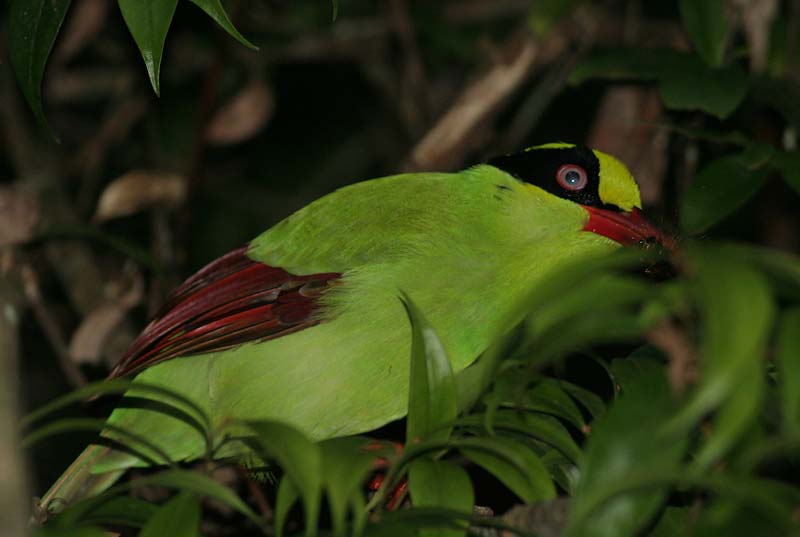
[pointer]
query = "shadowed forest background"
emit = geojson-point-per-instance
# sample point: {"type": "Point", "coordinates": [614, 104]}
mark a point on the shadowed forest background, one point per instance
{"type": "Point", "coordinates": [140, 190]}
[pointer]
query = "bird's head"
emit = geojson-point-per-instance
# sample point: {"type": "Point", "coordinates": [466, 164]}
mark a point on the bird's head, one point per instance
{"type": "Point", "coordinates": [598, 182]}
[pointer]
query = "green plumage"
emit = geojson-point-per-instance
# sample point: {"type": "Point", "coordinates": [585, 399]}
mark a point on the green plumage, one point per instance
{"type": "Point", "coordinates": [464, 246]}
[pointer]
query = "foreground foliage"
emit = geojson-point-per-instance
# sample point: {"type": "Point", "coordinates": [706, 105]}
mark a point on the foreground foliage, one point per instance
{"type": "Point", "coordinates": [677, 448]}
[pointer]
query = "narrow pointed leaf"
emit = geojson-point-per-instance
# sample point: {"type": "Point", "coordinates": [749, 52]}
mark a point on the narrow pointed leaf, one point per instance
{"type": "Point", "coordinates": [148, 22]}
{"type": "Point", "coordinates": [179, 517]}
{"type": "Point", "coordinates": [544, 429]}
{"type": "Point", "coordinates": [32, 29]}
{"type": "Point", "coordinates": [186, 480]}
{"type": "Point", "coordinates": [287, 495]}
{"type": "Point", "coordinates": [300, 459]}
{"type": "Point", "coordinates": [737, 309]}
{"type": "Point", "coordinates": [514, 464]}
{"type": "Point", "coordinates": [345, 466]}
{"type": "Point", "coordinates": [432, 400]}
{"type": "Point", "coordinates": [440, 484]}
{"type": "Point", "coordinates": [121, 511]}
{"type": "Point", "coordinates": [215, 10]}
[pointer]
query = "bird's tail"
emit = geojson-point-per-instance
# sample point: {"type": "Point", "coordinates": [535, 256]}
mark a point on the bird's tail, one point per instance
{"type": "Point", "coordinates": [78, 481]}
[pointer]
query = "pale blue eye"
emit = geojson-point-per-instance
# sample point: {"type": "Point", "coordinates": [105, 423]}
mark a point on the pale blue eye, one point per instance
{"type": "Point", "coordinates": [572, 177]}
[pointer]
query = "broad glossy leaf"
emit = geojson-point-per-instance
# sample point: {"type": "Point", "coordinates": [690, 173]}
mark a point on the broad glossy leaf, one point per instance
{"type": "Point", "coordinates": [345, 464]}
{"type": "Point", "coordinates": [32, 29]}
{"type": "Point", "coordinates": [718, 190]}
{"type": "Point", "coordinates": [300, 459]}
{"type": "Point", "coordinates": [685, 82]}
{"type": "Point", "coordinates": [780, 94]}
{"type": "Point", "coordinates": [623, 63]}
{"type": "Point", "coordinates": [788, 358]}
{"type": "Point", "coordinates": [788, 162]}
{"type": "Point", "coordinates": [179, 517]}
{"type": "Point", "coordinates": [215, 10]}
{"type": "Point", "coordinates": [707, 26]}
{"type": "Point", "coordinates": [692, 85]}
{"type": "Point", "coordinates": [514, 463]}
{"type": "Point", "coordinates": [440, 484]}
{"type": "Point", "coordinates": [432, 399]}
{"type": "Point", "coordinates": [148, 22]}
{"type": "Point", "coordinates": [626, 444]}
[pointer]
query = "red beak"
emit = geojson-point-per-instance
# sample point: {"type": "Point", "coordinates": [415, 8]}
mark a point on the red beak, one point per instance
{"type": "Point", "coordinates": [626, 228]}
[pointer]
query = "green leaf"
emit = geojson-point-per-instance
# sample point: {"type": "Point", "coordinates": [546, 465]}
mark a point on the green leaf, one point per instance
{"type": "Point", "coordinates": [136, 442]}
{"type": "Point", "coordinates": [440, 484]}
{"type": "Point", "coordinates": [513, 463]}
{"type": "Point", "coordinates": [685, 82]}
{"type": "Point", "coordinates": [691, 85]}
{"type": "Point", "coordinates": [82, 531]}
{"type": "Point", "coordinates": [590, 400]}
{"type": "Point", "coordinates": [408, 522]}
{"type": "Point", "coordinates": [530, 426]}
{"type": "Point", "coordinates": [788, 163]}
{"type": "Point", "coordinates": [549, 397]}
{"type": "Point", "coordinates": [287, 495]}
{"type": "Point", "coordinates": [626, 371]}
{"type": "Point", "coordinates": [119, 386]}
{"type": "Point", "coordinates": [215, 10]}
{"type": "Point", "coordinates": [707, 26]}
{"type": "Point", "coordinates": [674, 522]}
{"type": "Point", "coordinates": [736, 307]}
{"type": "Point", "coordinates": [188, 481]}
{"type": "Point", "coordinates": [624, 63]}
{"type": "Point", "coordinates": [780, 94]}
{"type": "Point", "coordinates": [432, 399]}
{"type": "Point", "coordinates": [120, 511]}
{"type": "Point", "coordinates": [334, 10]}
{"type": "Point", "coordinates": [300, 459]}
{"type": "Point", "coordinates": [345, 465]}
{"type": "Point", "coordinates": [718, 190]}
{"type": "Point", "coordinates": [561, 469]}
{"type": "Point", "coordinates": [32, 29]}
{"type": "Point", "coordinates": [626, 443]}
{"type": "Point", "coordinates": [788, 358]}
{"type": "Point", "coordinates": [179, 517]}
{"type": "Point", "coordinates": [148, 22]}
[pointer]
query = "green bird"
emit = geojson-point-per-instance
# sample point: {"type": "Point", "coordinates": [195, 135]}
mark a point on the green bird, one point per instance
{"type": "Point", "coordinates": [304, 324]}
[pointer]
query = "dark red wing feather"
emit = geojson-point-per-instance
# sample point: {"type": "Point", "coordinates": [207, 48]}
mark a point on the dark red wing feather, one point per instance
{"type": "Point", "coordinates": [230, 301]}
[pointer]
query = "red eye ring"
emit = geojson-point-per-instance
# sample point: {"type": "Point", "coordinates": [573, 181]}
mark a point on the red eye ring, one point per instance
{"type": "Point", "coordinates": [572, 177]}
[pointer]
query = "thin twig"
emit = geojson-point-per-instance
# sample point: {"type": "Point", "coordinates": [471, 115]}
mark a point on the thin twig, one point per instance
{"type": "Point", "coordinates": [672, 340]}
{"type": "Point", "coordinates": [50, 326]}
{"type": "Point", "coordinates": [447, 143]}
